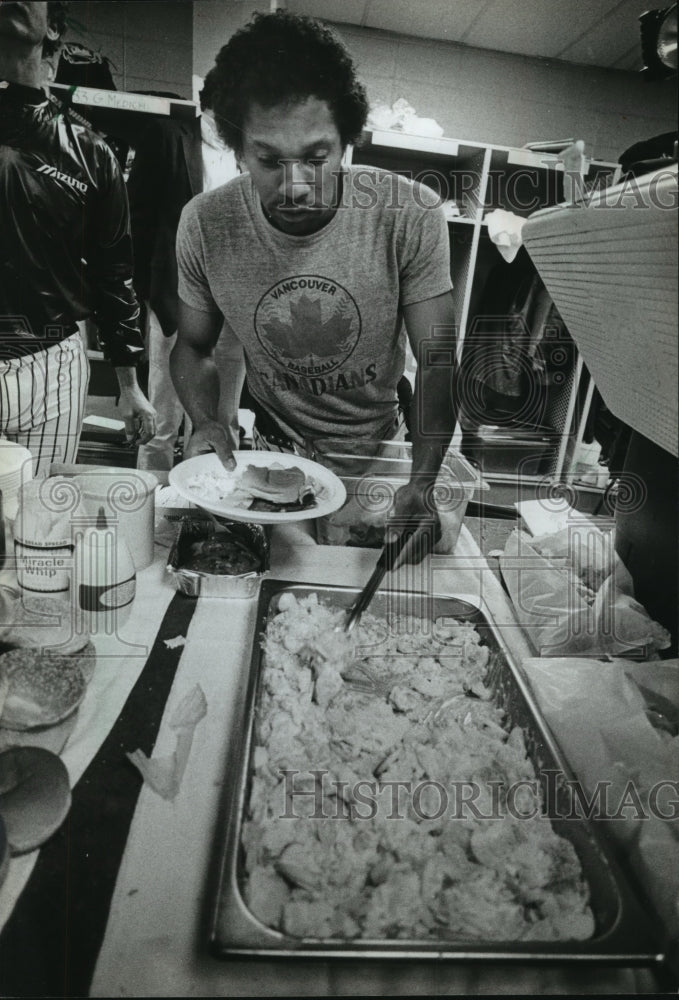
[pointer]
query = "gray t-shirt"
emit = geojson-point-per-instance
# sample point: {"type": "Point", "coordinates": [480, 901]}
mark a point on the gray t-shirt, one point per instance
{"type": "Point", "coordinates": [319, 316]}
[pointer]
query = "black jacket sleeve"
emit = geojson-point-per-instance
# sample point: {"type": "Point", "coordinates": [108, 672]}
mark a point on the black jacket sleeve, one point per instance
{"type": "Point", "coordinates": [109, 260]}
{"type": "Point", "coordinates": [158, 187]}
{"type": "Point", "coordinates": [144, 193]}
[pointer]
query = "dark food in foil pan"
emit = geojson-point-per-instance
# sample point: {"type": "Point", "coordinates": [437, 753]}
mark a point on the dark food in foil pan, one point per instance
{"type": "Point", "coordinates": [222, 554]}
{"type": "Point", "coordinates": [219, 561]}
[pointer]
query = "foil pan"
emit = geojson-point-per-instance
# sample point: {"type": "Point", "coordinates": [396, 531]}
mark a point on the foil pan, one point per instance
{"type": "Point", "coordinates": [195, 527]}
{"type": "Point", "coordinates": [627, 932]}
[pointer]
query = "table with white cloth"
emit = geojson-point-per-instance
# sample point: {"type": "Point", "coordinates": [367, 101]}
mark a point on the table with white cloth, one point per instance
{"type": "Point", "coordinates": [152, 908]}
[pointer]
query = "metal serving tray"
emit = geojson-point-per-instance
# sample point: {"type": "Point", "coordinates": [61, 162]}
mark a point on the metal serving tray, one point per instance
{"type": "Point", "coordinates": [626, 932]}
{"type": "Point", "coordinates": [196, 526]}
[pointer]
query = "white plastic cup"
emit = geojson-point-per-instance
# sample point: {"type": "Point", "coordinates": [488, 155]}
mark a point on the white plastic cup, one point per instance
{"type": "Point", "coordinates": [128, 499]}
{"type": "Point", "coordinates": [16, 468]}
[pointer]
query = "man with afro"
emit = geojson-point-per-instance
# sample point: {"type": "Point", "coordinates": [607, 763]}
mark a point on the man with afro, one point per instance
{"type": "Point", "coordinates": [318, 268]}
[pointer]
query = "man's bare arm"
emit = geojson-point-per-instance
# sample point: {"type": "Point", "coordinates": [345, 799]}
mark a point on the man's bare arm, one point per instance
{"type": "Point", "coordinates": [431, 331]}
{"type": "Point", "coordinates": [196, 380]}
{"type": "Point", "coordinates": [430, 325]}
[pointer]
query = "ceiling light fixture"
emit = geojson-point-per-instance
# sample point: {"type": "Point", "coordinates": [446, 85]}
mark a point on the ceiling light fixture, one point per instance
{"type": "Point", "coordinates": [659, 43]}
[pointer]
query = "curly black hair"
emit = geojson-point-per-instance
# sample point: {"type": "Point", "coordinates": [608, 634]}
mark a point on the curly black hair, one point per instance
{"type": "Point", "coordinates": [283, 57]}
{"type": "Point", "coordinates": [56, 18]}
{"type": "Point", "coordinates": [206, 95]}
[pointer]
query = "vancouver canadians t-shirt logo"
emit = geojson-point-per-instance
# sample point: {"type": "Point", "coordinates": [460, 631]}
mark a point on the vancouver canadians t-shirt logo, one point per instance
{"type": "Point", "coordinates": [308, 324]}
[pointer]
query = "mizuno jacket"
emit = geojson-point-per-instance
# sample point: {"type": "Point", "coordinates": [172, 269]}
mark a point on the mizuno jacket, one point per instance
{"type": "Point", "coordinates": [65, 247]}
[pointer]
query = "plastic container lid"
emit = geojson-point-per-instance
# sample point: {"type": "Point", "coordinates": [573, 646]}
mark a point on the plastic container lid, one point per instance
{"type": "Point", "coordinates": [46, 508]}
{"type": "Point", "coordinates": [128, 499]}
{"type": "Point", "coordinates": [98, 483]}
{"type": "Point", "coordinates": [13, 458]}
{"type": "Point", "coordinates": [16, 468]}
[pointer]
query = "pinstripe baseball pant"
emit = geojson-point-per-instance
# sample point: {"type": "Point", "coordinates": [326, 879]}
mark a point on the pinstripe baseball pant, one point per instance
{"type": "Point", "coordinates": [42, 401]}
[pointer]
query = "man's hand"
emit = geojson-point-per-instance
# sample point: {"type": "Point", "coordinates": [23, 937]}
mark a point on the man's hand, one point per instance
{"type": "Point", "coordinates": [433, 413]}
{"type": "Point", "coordinates": [413, 512]}
{"type": "Point", "coordinates": [211, 436]}
{"type": "Point", "coordinates": [135, 409]}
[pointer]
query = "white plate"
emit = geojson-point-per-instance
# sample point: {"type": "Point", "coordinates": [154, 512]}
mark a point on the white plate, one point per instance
{"type": "Point", "coordinates": [330, 491]}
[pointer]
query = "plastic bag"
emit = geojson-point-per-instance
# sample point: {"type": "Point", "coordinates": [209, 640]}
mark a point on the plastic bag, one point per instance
{"type": "Point", "coordinates": [625, 760]}
{"type": "Point", "coordinates": [552, 581]}
{"type": "Point", "coordinates": [602, 722]}
{"type": "Point", "coordinates": [504, 230]}
{"type": "Point", "coordinates": [402, 117]}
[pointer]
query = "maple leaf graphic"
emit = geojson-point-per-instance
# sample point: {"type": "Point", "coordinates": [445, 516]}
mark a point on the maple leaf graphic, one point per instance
{"type": "Point", "coordinates": [307, 335]}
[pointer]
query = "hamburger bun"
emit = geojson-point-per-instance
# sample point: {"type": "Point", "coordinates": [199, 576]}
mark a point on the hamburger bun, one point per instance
{"type": "Point", "coordinates": [43, 688]}
{"type": "Point", "coordinates": [52, 738]}
{"type": "Point", "coordinates": [35, 796]}
{"type": "Point", "coordinates": [277, 484]}
{"type": "Point", "coordinates": [41, 622]}
{"type": "Point", "coordinates": [86, 658]}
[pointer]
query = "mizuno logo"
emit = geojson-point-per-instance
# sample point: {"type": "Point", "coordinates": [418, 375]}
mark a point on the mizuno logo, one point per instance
{"type": "Point", "coordinates": [49, 171]}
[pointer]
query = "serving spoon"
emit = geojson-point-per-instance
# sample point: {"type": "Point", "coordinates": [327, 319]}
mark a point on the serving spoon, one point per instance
{"type": "Point", "coordinates": [385, 562]}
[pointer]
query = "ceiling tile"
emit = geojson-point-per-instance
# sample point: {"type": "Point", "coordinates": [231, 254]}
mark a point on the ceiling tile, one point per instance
{"type": "Point", "coordinates": [535, 27]}
{"type": "Point", "coordinates": [444, 19]}
{"type": "Point", "coordinates": [348, 11]}
{"type": "Point", "coordinates": [613, 37]}
{"type": "Point", "coordinates": [597, 32]}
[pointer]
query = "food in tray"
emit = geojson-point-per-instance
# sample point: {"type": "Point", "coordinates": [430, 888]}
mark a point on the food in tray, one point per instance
{"type": "Point", "coordinates": [256, 487]}
{"type": "Point", "coordinates": [222, 555]}
{"type": "Point", "coordinates": [326, 864]}
{"type": "Point", "coordinates": [212, 558]}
